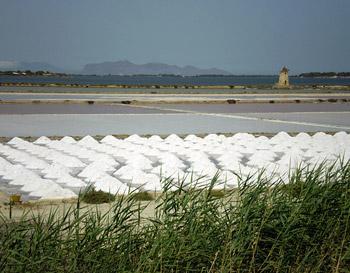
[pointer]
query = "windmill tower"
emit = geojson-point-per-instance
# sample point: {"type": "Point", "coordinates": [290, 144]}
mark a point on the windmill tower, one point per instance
{"type": "Point", "coordinates": [283, 81]}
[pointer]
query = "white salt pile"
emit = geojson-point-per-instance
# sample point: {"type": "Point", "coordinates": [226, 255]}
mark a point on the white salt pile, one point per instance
{"type": "Point", "coordinates": [42, 140]}
{"type": "Point", "coordinates": [51, 169]}
{"type": "Point", "coordinates": [88, 141]}
{"type": "Point", "coordinates": [68, 139]}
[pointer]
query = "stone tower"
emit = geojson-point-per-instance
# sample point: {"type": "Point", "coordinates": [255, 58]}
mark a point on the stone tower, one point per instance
{"type": "Point", "coordinates": [283, 81]}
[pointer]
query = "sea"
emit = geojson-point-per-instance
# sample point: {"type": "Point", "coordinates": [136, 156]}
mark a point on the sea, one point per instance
{"type": "Point", "coordinates": [169, 80]}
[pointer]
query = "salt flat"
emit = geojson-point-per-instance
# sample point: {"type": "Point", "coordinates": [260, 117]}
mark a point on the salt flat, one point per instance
{"type": "Point", "coordinates": [104, 119]}
{"type": "Point", "coordinates": [49, 169]}
{"type": "Point", "coordinates": [196, 95]}
{"type": "Point", "coordinates": [341, 119]}
{"type": "Point", "coordinates": [188, 123]}
{"type": "Point", "coordinates": [119, 108]}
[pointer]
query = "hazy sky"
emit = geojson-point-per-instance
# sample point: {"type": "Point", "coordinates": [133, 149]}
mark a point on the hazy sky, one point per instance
{"type": "Point", "coordinates": [241, 36]}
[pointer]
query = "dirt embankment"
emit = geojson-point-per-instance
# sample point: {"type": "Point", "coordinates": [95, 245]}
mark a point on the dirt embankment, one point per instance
{"type": "Point", "coordinates": [183, 87]}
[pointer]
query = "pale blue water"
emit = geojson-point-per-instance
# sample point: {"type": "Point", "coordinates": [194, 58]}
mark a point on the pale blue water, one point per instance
{"type": "Point", "coordinates": [170, 80]}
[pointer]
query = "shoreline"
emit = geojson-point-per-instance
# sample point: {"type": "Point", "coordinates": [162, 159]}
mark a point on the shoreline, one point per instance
{"type": "Point", "coordinates": [4, 139]}
{"type": "Point", "coordinates": [137, 99]}
{"type": "Point", "coordinates": [248, 87]}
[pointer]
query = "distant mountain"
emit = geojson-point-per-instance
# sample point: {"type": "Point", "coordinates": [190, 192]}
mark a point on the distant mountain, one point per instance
{"type": "Point", "coordinates": [129, 68]}
{"type": "Point", "coordinates": [33, 66]}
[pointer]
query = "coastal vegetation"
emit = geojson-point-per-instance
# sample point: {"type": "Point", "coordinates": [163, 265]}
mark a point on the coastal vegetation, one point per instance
{"type": "Point", "coordinates": [91, 196]}
{"type": "Point", "coordinates": [263, 225]}
{"type": "Point", "coordinates": [325, 74]}
{"type": "Point", "coordinates": [30, 73]}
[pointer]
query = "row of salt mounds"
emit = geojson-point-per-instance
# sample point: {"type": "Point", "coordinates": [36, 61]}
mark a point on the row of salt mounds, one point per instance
{"type": "Point", "coordinates": [32, 183]}
{"type": "Point", "coordinates": [117, 165]}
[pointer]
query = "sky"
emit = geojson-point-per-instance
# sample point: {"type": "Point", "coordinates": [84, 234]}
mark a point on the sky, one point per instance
{"type": "Point", "coordinates": [240, 36]}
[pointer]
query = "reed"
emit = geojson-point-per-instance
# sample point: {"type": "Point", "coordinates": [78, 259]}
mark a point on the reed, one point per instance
{"type": "Point", "coordinates": [265, 225]}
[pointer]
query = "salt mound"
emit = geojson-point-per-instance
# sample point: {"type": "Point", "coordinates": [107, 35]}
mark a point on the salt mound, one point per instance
{"type": "Point", "coordinates": [124, 170]}
{"type": "Point", "coordinates": [198, 157]}
{"type": "Point", "coordinates": [173, 139]}
{"type": "Point", "coordinates": [230, 156]}
{"type": "Point", "coordinates": [71, 181]}
{"type": "Point", "coordinates": [280, 148]}
{"type": "Point", "coordinates": [181, 153]}
{"type": "Point", "coordinates": [37, 164]}
{"type": "Point", "coordinates": [290, 161]}
{"type": "Point", "coordinates": [112, 185]}
{"type": "Point", "coordinates": [319, 136]}
{"type": "Point", "coordinates": [155, 138]}
{"type": "Point", "coordinates": [105, 148]}
{"type": "Point", "coordinates": [105, 159]}
{"type": "Point", "coordinates": [262, 139]}
{"type": "Point", "coordinates": [84, 154]}
{"type": "Point", "coordinates": [204, 168]}
{"type": "Point", "coordinates": [4, 164]}
{"type": "Point", "coordinates": [69, 161]}
{"type": "Point", "coordinates": [15, 141]}
{"type": "Point", "coordinates": [13, 172]}
{"type": "Point", "coordinates": [168, 171]}
{"type": "Point", "coordinates": [19, 156]}
{"type": "Point", "coordinates": [340, 134]}
{"type": "Point", "coordinates": [135, 139]}
{"type": "Point", "coordinates": [140, 162]}
{"type": "Point", "coordinates": [303, 136]}
{"type": "Point", "coordinates": [43, 140]}
{"type": "Point", "coordinates": [55, 170]}
{"type": "Point", "coordinates": [55, 194]}
{"type": "Point", "coordinates": [131, 174]}
{"type": "Point", "coordinates": [212, 137]}
{"type": "Point", "coordinates": [303, 145]}
{"type": "Point", "coordinates": [152, 154]}
{"type": "Point", "coordinates": [36, 184]}
{"type": "Point", "coordinates": [95, 176]}
{"type": "Point", "coordinates": [88, 141]}
{"type": "Point", "coordinates": [232, 165]}
{"type": "Point", "coordinates": [258, 162]}
{"type": "Point", "coordinates": [95, 168]}
{"type": "Point", "coordinates": [123, 156]}
{"type": "Point", "coordinates": [68, 139]}
{"type": "Point", "coordinates": [263, 146]}
{"type": "Point", "coordinates": [149, 160]}
{"type": "Point", "coordinates": [171, 159]}
{"type": "Point", "coordinates": [216, 152]}
{"type": "Point", "coordinates": [192, 138]}
{"type": "Point", "coordinates": [109, 139]}
{"type": "Point", "coordinates": [163, 147]}
{"type": "Point", "coordinates": [263, 154]}
{"type": "Point", "coordinates": [294, 152]}
{"type": "Point", "coordinates": [47, 189]}
{"type": "Point", "coordinates": [342, 137]}
{"type": "Point", "coordinates": [148, 182]}
{"type": "Point", "coordinates": [243, 136]}
{"type": "Point", "coordinates": [280, 138]}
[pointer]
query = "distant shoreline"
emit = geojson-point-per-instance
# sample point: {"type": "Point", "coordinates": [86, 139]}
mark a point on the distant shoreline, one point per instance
{"type": "Point", "coordinates": [343, 75]}
{"type": "Point", "coordinates": [177, 86]}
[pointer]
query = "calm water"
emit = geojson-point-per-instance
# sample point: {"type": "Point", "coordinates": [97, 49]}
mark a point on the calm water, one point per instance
{"type": "Point", "coordinates": [171, 80]}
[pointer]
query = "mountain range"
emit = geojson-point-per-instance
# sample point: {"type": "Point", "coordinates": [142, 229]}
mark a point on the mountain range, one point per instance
{"type": "Point", "coordinates": [129, 68]}
{"type": "Point", "coordinates": [116, 68]}
{"type": "Point", "coordinates": [33, 66]}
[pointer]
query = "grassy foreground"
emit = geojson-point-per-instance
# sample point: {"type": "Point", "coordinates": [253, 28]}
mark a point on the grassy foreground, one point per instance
{"type": "Point", "coordinates": [262, 226]}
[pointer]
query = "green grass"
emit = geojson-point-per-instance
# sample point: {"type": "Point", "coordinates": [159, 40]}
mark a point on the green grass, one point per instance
{"type": "Point", "coordinates": [262, 226]}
